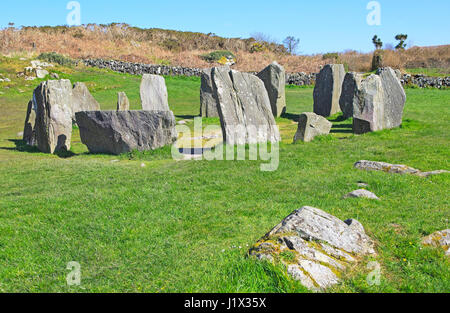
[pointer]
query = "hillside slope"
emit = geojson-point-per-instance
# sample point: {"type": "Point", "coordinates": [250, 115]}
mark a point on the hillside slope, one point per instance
{"type": "Point", "coordinates": [176, 48]}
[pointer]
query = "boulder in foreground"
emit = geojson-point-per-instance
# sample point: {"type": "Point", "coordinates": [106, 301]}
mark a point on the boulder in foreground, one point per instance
{"type": "Point", "coordinates": [439, 239]}
{"type": "Point", "coordinates": [311, 125]}
{"type": "Point", "coordinates": [315, 246]}
{"type": "Point", "coordinates": [117, 132]}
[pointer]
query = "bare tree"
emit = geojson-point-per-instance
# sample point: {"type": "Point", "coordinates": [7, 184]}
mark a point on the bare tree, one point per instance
{"type": "Point", "coordinates": [262, 38]}
{"type": "Point", "coordinates": [291, 43]}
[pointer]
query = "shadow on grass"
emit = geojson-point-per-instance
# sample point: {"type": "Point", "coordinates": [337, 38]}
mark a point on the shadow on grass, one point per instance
{"type": "Point", "coordinates": [187, 117]}
{"type": "Point", "coordinates": [21, 146]}
{"type": "Point", "coordinates": [342, 129]}
{"type": "Point", "coordinates": [292, 117]}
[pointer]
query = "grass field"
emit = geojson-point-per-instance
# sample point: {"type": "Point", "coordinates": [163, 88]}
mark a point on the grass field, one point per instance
{"type": "Point", "coordinates": [186, 226]}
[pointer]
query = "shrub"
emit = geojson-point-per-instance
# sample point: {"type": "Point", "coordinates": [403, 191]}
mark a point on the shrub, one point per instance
{"type": "Point", "coordinates": [54, 57]}
{"type": "Point", "coordinates": [257, 47]}
{"type": "Point", "coordinates": [171, 45]}
{"type": "Point", "coordinates": [217, 56]}
{"type": "Point", "coordinates": [333, 56]}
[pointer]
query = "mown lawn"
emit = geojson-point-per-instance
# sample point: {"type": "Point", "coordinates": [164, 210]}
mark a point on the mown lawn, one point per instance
{"type": "Point", "coordinates": [186, 226]}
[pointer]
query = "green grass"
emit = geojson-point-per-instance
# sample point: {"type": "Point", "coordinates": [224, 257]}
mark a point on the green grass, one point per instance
{"type": "Point", "coordinates": [433, 72]}
{"type": "Point", "coordinates": [186, 226]}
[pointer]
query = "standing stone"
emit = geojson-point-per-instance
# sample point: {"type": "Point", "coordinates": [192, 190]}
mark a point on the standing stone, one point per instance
{"type": "Point", "coordinates": [274, 78]}
{"type": "Point", "coordinates": [117, 132]}
{"type": "Point", "coordinates": [208, 103]}
{"type": "Point", "coordinates": [394, 98]}
{"type": "Point", "coordinates": [83, 100]}
{"type": "Point", "coordinates": [328, 89]}
{"type": "Point", "coordinates": [368, 107]}
{"type": "Point", "coordinates": [244, 108]}
{"type": "Point", "coordinates": [379, 103]}
{"type": "Point", "coordinates": [351, 90]}
{"type": "Point", "coordinates": [53, 100]}
{"type": "Point", "coordinates": [321, 246]}
{"type": "Point", "coordinates": [154, 95]}
{"type": "Point", "coordinates": [29, 132]}
{"type": "Point", "coordinates": [123, 104]}
{"type": "Point", "coordinates": [311, 125]}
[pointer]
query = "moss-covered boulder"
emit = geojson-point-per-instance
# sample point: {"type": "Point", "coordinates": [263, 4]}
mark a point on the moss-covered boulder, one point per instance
{"type": "Point", "coordinates": [315, 247]}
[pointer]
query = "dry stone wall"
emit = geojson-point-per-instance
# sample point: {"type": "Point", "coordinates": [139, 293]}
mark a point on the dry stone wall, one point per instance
{"type": "Point", "coordinates": [298, 79]}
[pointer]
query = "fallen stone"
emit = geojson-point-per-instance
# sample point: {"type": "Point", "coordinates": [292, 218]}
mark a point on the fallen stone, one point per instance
{"type": "Point", "coordinates": [351, 90]}
{"type": "Point", "coordinates": [394, 168]}
{"type": "Point", "coordinates": [439, 239]}
{"type": "Point", "coordinates": [83, 100]}
{"type": "Point", "coordinates": [208, 102]}
{"type": "Point", "coordinates": [54, 75]}
{"type": "Point", "coordinates": [320, 246]}
{"type": "Point", "coordinates": [154, 95]}
{"type": "Point", "coordinates": [362, 193]}
{"type": "Point", "coordinates": [274, 79]}
{"type": "Point", "coordinates": [117, 132]}
{"type": "Point", "coordinates": [29, 131]}
{"type": "Point", "coordinates": [327, 91]}
{"type": "Point", "coordinates": [53, 103]}
{"type": "Point", "coordinates": [123, 104]}
{"type": "Point", "coordinates": [311, 125]}
{"type": "Point", "coordinates": [244, 108]}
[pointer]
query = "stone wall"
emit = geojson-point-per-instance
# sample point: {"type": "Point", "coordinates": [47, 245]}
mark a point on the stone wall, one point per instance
{"type": "Point", "coordinates": [298, 79]}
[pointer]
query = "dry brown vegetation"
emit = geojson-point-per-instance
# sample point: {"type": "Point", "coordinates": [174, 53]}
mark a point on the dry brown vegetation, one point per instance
{"type": "Point", "coordinates": [157, 46]}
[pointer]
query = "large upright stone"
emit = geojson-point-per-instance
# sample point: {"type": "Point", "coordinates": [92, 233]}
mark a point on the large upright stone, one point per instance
{"type": "Point", "coordinates": [394, 98]}
{"type": "Point", "coordinates": [379, 103]}
{"type": "Point", "coordinates": [368, 107]}
{"type": "Point", "coordinates": [53, 100]}
{"type": "Point", "coordinates": [351, 90]}
{"type": "Point", "coordinates": [154, 95]}
{"type": "Point", "coordinates": [208, 102]}
{"type": "Point", "coordinates": [315, 246]}
{"type": "Point", "coordinates": [117, 132]}
{"type": "Point", "coordinates": [311, 125]}
{"type": "Point", "coordinates": [244, 108]}
{"type": "Point", "coordinates": [29, 132]}
{"type": "Point", "coordinates": [328, 89]}
{"type": "Point", "coordinates": [83, 100]}
{"type": "Point", "coordinates": [274, 78]}
{"type": "Point", "coordinates": [123, 104]}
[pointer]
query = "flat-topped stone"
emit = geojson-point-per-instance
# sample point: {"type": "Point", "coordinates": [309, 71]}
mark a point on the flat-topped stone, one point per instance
{"type": "Point", "coordinates": [117, 132]}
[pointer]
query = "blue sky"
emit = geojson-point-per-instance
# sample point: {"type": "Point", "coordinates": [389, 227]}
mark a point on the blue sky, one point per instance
{"type": "Point", "coordinates": [322, 26]}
